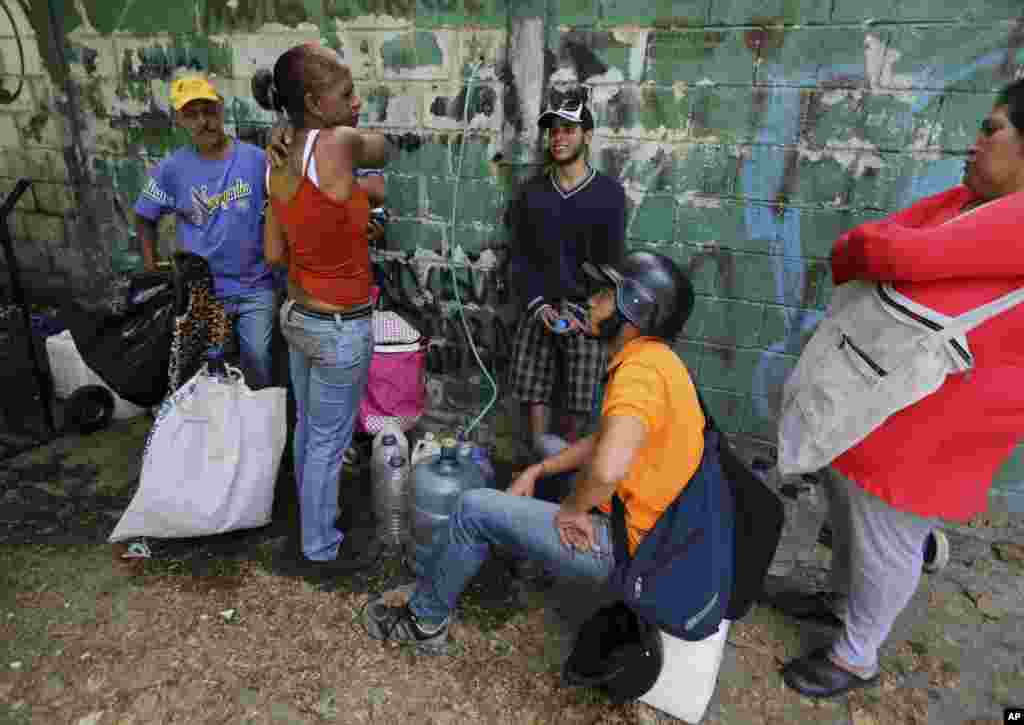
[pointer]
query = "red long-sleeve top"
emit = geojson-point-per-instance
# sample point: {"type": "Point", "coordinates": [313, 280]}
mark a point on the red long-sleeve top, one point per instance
{"type": "Point", "coordinates": [938, 456]}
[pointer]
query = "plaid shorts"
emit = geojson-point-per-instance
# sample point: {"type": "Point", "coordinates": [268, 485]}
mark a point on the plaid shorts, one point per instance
{"type": "Point", "coordinates": [539, 357]}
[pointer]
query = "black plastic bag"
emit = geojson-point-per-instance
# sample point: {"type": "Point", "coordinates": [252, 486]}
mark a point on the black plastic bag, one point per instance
{"type": "Point", "coordinates": [127, 341]}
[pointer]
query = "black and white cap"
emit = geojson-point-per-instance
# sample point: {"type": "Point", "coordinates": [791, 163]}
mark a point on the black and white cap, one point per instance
{"type": "Point", "coordinates": [570, 105]}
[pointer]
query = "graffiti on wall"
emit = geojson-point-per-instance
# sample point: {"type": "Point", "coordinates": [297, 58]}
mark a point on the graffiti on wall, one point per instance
{"type": "Point", "coordinates": [770, 179]}
{"type": "Point", "coordinates": [765, 170]}
{"type": "Point", "coordinates": [11, 66]}
{"type": "Point", "coordinates": [428, 290]}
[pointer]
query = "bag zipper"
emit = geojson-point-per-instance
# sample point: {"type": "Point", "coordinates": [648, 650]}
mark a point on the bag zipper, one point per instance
{"type": "Point", "coordinates": [879, 370]}
{"type": "Point", "coordinates": [930, 324]}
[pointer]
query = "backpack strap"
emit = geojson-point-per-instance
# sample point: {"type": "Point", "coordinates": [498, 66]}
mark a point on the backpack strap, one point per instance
{"type": "Point", "coordinates": [620, 539]}
{"type": "Point", "coordinates": [709, 422]}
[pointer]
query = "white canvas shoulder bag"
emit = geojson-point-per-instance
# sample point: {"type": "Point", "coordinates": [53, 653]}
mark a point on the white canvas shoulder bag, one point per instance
{"type": "Point", "coordinates": [876, 353]}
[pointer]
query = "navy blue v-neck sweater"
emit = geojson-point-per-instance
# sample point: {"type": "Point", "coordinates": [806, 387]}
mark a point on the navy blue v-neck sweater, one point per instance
{"type": "Point", "coordinates": [554, 231]}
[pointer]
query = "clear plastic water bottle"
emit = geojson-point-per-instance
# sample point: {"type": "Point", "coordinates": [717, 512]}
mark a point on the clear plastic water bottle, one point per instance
{"type": "Point", "coordinates": [390, 500]}
{"type": "Point", "coordinates": [390, 441]}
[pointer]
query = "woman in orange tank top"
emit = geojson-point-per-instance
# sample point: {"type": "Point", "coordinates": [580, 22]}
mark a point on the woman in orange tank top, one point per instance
{"type": "Point", "coordinates": [316, 227]}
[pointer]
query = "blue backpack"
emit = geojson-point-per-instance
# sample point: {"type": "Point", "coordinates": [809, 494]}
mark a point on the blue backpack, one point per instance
{"type": "Point", "coordinates": [681, 576]}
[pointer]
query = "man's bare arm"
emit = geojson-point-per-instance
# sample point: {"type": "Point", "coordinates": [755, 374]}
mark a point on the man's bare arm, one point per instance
{"type": "Point", "coordinates": [618, 441]}
{"type": "Point", "coordinates": [146, 231]}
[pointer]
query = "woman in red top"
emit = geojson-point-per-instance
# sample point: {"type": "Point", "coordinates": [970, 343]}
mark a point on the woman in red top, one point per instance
{"type": "Point", "coordinates": [317, 227]}
{"type": "Point", "coordinates": [951, 252]}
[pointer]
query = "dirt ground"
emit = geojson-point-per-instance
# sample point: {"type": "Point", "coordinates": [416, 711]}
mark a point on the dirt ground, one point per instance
{"type": "Point", "coordinates": [89, 642]}
{"type": "Point", "coordinates": [221, 631]}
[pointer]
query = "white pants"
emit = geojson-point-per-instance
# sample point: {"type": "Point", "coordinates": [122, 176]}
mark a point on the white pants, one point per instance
{"type": "Point", "coordinates": [877, 553]}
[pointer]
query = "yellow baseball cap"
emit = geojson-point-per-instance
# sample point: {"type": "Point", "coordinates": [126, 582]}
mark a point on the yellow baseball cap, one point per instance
{"type": "Point", "coordinates": [192, 88]}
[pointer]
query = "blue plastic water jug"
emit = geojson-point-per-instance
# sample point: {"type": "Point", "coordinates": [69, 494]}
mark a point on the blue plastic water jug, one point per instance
{"type": "Point", "coordinates": [436, 484]}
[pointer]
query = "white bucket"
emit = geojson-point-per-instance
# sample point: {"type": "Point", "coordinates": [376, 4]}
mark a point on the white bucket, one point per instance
{"type": "Point", "coordinates": [71, 373]}
{"type": "Point", "coordinates": [688, 675]}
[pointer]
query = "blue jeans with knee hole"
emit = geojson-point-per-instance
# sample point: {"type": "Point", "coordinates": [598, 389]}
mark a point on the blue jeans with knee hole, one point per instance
{"type": "Point", "coordinates": [329, 361]}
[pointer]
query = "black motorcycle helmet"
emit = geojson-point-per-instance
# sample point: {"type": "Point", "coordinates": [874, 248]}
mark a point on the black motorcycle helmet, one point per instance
{"type": "Point", "coordinates": [650, 291]}
{"type": "Point", "coordinates": [616, 651]}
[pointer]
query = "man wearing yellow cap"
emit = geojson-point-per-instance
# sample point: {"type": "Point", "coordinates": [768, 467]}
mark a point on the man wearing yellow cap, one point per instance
{"type": "Point", "coordinates": [215, 188]}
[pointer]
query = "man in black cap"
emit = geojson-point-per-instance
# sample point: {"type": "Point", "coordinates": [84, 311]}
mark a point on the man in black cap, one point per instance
{"type": "Point", "coordinates": [568, 215]}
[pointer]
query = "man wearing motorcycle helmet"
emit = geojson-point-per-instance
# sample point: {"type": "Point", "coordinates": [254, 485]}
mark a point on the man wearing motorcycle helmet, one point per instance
{"type": "Point", "coordinates": [648, 444]}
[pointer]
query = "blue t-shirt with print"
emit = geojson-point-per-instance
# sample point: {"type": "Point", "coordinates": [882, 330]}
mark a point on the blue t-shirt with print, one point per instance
{"type": "Point", "coordinates": [219, 208]}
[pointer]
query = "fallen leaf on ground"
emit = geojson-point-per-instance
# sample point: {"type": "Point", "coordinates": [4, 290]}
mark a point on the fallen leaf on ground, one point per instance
{"type": "Point", "coordinates": [863, 717]}
{"type": "Point", "coordinates": [1009, 552]}
{"type": "Point", "coordinates": [986, 605]}
{"type": "Point", "coordinates": [91, 719]}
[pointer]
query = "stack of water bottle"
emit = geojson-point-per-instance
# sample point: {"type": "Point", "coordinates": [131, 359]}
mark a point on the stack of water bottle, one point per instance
{"type": "Point", "coordinates": [414, 497]}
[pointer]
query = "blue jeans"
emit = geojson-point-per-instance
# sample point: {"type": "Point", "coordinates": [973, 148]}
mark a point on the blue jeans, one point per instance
{"type": "Point", "coordinates": [330, 363]}
{"type": "Point", "coordinates": [524, 527]}
{"type": "Point", "coordinates": [254, 327]}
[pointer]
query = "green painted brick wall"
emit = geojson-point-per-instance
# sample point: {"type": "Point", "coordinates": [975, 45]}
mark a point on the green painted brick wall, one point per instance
{"type": "Point", "coordinates": [748, 135]}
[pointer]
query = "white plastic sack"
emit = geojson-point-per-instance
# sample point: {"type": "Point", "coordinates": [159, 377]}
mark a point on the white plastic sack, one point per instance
{"type": "Point", "coordinates": [688, 675]}
{"type": "Point", "coordinates": [210, 461]}
{"type": "Point", "coordinates": [71, 373]}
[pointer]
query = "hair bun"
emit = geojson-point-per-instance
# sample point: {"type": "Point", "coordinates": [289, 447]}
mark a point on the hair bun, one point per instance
{"type": "Point", "coordinates": [264, 90]}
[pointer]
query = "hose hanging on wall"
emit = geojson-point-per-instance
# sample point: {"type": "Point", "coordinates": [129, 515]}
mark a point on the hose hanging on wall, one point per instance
{"type": "Point", "coordinates": [474, 69]}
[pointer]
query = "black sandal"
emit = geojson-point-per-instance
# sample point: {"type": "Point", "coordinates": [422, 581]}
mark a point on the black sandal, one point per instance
{"type": "Point", "coordinates": [815, 675]}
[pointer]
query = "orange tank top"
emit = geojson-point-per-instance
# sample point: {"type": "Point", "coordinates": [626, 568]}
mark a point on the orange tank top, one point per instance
{"type": "Point", "coordinates": [328, 251]}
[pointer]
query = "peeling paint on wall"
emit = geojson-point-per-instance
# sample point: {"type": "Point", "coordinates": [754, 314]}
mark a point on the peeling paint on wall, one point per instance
{"type": "Point", "coordinates": [160, 61]}
{"type": "Point", "coordinates": [415, 54]}
{"type": "Point", "coordinates": [483, 100]}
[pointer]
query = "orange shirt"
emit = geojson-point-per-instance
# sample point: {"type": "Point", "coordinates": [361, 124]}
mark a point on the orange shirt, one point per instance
{"type": "Point", "coordinates": [328, 251]}
{"type": "Point", "coordinates": [649, 382]}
